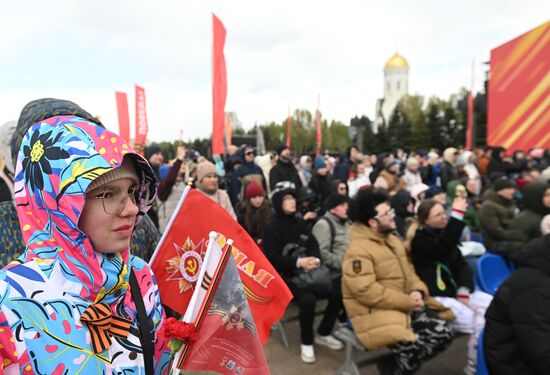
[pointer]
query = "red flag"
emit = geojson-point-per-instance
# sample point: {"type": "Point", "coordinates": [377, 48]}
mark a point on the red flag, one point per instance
{"type": "Point", "coordinates": [219, 86]}
{"type": "Point", "coordinates": [228, 341]}
{"type": "Point", "coordinates": [470, 127]}
{"type": "Point", "coordinates": [229, 129]}
{"type": "Point", "coordinates": [123, 115]}
{"type": "Point", "coordinates": [178, 258]}
{"type": "Point", "coordinates": [318, 124]}
{"type": "Point", "coordinates": [288, 125]}
{"type": "Point", "coordinates": [141, 116]}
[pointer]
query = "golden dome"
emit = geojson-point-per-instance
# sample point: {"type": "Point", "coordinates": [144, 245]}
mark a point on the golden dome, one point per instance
{"type": "Point", "coordinates": [396, 61]}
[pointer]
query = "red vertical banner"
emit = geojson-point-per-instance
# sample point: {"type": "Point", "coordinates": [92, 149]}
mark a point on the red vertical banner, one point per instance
{"type": "Point", "coordinates": [469, 129]}
{"type": "Point", "coordinates": [141, 116]}
{"type": "Point", "coordinates": [318, 125]}
{"type": "Point", "coordinates": [123, 115]}
{"type": "Point", "coordinates": [219, 86]}
{"type": "Point", "coordinates": [229, 129]}
{"type": "Point", "coordinates": [288, 125]}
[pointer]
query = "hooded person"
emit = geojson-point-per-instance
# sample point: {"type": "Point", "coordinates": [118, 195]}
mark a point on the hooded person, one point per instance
{"type": "Point", "coordinates": [80, 192]}
{"type": "Point", "coordinates": [321, 180]}
{"type": "Point", "coordinates": [287, 229]}
{"type": "Point", "coordinates": [517, 326]}
{"type": "Point", "coordinates": [305, 169]}
{"type": "Point", "coordinates": [536, 200]}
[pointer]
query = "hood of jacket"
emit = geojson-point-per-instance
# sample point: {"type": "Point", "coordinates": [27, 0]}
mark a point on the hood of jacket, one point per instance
{"type": "Point", "coordinates": [533, 195]}
{"type": "Point", "coordinates": [535, 254]}
{"type": "Point", "coordinates": [57, 160]}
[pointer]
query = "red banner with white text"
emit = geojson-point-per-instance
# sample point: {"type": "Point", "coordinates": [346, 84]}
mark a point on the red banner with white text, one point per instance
{"type": "Point", "coordinates": [141, 117]}
{"type": "Point", "coordinates": [219, 86]}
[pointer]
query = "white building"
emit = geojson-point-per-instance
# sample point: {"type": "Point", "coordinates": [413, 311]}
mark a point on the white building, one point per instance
{"type": "Point", "coordinates": [396, 85]}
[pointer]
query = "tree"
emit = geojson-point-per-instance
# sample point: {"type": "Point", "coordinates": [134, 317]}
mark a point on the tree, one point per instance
{"type": "Point", "coordinates": [382, 141]}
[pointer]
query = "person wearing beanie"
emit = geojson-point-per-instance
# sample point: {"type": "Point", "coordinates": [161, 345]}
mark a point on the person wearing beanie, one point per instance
{"type": "Point", "coordinates": [284, 169]}
{"type": "Point", "coordinates": [321, 181]}
{"type": "Point", "coordinates": [495, 217]}
{"type": "Point", "coordinates": [82, 192]}
{"type": "Point", "coordinates": [254, 213]}
{"type": "Point", "coordinates": [331, 232]}
{"type": "Point", "coordinates": [249, 171]}
{"type": "Point", "coordinates": [284, 230]}
{"type": "Point", "coordinates": [207, 183]}
{"type": "Point", "coordinates": [383, 296]}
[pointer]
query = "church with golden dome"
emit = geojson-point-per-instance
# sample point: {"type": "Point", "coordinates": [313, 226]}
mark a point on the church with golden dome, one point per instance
{"type": "Point", "coordinates": [396, 85]}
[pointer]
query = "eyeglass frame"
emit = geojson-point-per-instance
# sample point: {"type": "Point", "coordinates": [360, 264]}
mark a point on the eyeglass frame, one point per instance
{"type": "Point", "coordinates": [390, 214]}
{"type": "Point", "coordinates": [135, 189]}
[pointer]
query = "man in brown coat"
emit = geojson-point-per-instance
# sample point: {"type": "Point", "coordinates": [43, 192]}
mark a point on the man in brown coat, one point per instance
{"type": "Point", "coordinates": [386, 301]}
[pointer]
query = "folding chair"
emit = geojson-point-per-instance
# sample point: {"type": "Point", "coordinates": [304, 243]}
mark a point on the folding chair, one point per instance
{"type": "Point", "coordinates": [492, 270]}
{"type": "Point", "coordinates": [481, 368]}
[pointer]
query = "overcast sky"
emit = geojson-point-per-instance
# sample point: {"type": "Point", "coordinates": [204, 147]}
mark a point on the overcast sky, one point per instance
{"type": "Point", "coordinates": [278, 53]}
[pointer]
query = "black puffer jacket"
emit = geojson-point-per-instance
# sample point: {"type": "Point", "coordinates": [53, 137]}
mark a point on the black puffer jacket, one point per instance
{"type": "Point", "coordinates": [438, 260]}
{"type": "Point", "coordinates": [517, 328]}
{"type": "Point", "coordinates": [282, 230]}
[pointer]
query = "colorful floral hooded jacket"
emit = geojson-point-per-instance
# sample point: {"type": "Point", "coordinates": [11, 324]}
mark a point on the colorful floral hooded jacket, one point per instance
{"type": "Point", "coordinates": [44, 293]}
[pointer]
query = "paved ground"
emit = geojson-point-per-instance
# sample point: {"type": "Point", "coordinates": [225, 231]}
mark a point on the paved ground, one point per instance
{"type": "Point", "coordinates": [287, 361]}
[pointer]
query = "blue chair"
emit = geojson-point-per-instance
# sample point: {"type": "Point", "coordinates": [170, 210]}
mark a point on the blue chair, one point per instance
{"type": "Point", "coordinates": [481, 368]}
{"type": "Point", "coordinates": [492, 270]}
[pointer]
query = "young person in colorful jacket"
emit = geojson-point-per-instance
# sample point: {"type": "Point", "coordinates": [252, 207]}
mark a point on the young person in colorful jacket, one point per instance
{"type": "Point", "coordinates": [80, 192]}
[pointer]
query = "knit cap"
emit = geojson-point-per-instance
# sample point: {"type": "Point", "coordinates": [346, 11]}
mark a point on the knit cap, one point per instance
{"type": "Point", "coordinates": [319, 162]}
{"type": "Point", "coordinates": [502, 184]}
{"type": "Point", "coordinates": [205, 168]}
{"type": "Point", "coordinates": [335, 200]}
{"type": "Point", "coordinates": [254, 189]}
{"type": "Point", "coordinates": [126, 170]}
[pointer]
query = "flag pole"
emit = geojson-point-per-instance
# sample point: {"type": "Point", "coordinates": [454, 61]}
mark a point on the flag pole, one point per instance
{"type": "Point", "coordinates": [216, 278]}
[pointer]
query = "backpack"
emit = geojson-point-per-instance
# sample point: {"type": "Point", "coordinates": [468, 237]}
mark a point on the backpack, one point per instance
{"type": "Point", "coordinates": [332, 231]}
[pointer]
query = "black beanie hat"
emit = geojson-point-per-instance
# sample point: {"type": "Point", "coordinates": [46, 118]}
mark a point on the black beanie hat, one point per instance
{"type": "Point", "coordinates": [503, 183]}
{"type": "Point", "coordinates": [280, 149]}
{"type": "Point", "coordinates": [334, 200]}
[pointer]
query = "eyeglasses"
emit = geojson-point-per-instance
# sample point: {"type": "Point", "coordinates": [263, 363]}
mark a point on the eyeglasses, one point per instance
{"type": "Point", "coordinates": [114, 198]}
{"type": "Point", "coordinates": [390, 214]}
{"type": "Point", "coordinates": [249, 153]}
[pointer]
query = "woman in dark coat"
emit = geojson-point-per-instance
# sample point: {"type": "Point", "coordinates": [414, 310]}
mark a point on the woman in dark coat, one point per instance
{"type": "Point", "coordinates": [439, 262]}
{"type": "Point", "coordinates": [286, 228]}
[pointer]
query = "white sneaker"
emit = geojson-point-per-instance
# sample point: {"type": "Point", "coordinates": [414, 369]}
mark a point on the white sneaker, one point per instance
{"type": "Point", "coordinates": [307, 353]}
{"type": "Point", "coordinates": [329, 341]}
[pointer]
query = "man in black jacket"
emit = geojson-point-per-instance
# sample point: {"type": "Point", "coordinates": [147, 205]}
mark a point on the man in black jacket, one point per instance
{"type": "Point", "coordinates": [284, 170]}
{"type": "Point", "coordinates": [517, 328]}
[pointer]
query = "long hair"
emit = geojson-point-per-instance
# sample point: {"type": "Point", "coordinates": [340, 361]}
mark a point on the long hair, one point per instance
{"type": "Point", "coordinates": [422, 215]}
{"type": "Point", "coordinates": [256, 219]}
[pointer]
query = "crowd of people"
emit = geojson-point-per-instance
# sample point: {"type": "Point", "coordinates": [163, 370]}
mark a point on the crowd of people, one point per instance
{"type": "Point", "coordinates": [390, 240]}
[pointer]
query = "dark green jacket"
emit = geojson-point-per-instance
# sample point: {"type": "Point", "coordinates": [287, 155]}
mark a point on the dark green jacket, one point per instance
{"type": "Point", "coordinates": [527, 223]}
{"type": "Point", "coordinates": [495, 218]}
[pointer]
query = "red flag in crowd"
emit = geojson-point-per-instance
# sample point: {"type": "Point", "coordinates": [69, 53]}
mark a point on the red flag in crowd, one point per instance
{"type": "Point", "coordinates": [288, 125]}
{"type": "Point", "coordinates": [318, 125]}
{"type": "Point", "coordinates": [179, 255]}
{"type": "Point", "coordinates": [123, 115]}
{"type": "Point", "coordinates": [470, 127]}
{"type": "Point", "coordinates": [141, 116]}
{"type": "Point", "coordinates": [219, 86]}
{"type": "Point", "coordinates": [229, 129]}
{"type": "Point", "coordinates": [227, 340]}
